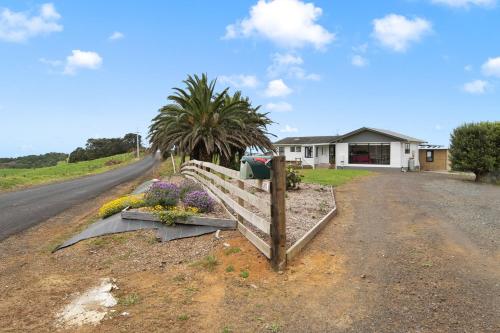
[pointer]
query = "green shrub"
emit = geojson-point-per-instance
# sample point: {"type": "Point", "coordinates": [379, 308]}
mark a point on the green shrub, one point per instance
{"type": "Point", "coordinates": [293, 178]}
{"type": "Point", "coordinates": [475, 147]}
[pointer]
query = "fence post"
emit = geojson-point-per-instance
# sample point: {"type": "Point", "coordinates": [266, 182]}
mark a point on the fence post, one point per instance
{"type": "Point", "coordinates": [278, 218]}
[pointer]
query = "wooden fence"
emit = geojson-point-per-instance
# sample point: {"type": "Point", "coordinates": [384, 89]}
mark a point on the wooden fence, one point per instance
{"type": "Point", "coordinates": [226, 184]}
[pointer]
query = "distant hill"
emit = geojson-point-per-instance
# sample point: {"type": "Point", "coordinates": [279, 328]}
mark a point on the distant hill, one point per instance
{"type": "Point", "coordinates": [33, 161]}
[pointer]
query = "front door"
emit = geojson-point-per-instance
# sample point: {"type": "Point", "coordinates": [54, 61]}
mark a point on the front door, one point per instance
{"type": "Point", "coordinates": [331, 154]}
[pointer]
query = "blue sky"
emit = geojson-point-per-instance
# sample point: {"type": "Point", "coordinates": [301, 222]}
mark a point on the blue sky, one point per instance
{"type": "Point", "coordinates": [70, 70]}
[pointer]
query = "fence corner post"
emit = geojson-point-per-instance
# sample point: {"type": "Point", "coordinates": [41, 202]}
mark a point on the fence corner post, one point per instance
{"type": "Point", "coordinates": [278, 209]}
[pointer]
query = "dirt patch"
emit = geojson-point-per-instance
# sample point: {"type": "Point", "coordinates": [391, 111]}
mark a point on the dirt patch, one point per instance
{"type": "Point", "coordinates": [389, 262]}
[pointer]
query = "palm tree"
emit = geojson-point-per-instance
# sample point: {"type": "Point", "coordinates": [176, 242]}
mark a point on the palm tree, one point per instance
{"type": "Point", "coordinates": [204, 124]}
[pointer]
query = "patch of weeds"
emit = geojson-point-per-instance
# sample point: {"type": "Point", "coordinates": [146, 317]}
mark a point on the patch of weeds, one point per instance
{"type": "Point", "coordinates": [427, 264]}
{"type": "Point", "coordinates": [183, 317]}
{"type": "Point", "coordinates": [129, 299]}
{"type": "Point", "coordinates": [192, 289]}
{"type": "Point", "coordinates": [244, 273]}
{"type": "Point", "coordinates": [226, 330]}
{"type": "Point", "coordinates": [230, 269]}
{"type": "Point", "coordinates": [274, 327]}
{"type": "Point", "coordinates": [209, 263]}
{"type": "Point", "coordinates": [231, 250]}
{"type": "Point", "coordinates": [179, 278]}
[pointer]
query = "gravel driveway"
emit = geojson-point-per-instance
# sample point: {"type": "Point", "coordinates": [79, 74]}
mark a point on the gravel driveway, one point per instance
{"type": "Point", "coordinates": [425, 251]}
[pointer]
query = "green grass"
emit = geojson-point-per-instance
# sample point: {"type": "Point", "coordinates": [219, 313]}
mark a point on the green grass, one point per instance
{"type": "Point", "coordinates": [129, 299]}
{"type": "Point", "coordinates": [209, 263]}
{"type": "Point", "coordinates": [11, 179]}
{"type": "Point", "coordinates": [331, 176]}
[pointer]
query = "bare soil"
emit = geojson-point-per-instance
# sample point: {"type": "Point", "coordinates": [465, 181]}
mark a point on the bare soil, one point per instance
{"type": "Point", "coordinates": [406, 253]}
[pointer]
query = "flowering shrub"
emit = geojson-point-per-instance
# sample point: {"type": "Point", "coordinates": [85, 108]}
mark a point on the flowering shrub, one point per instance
{"type": "Point", "coordinates": [169, 215]}
{"type": "Point", "coordinates": [162, 193]}
{"type": "Point", "coordinates": [200, 200]}
{"type": "Point", "coordinates": [117, 205]}
{"type": "Point", "coordinates": [186, 186]}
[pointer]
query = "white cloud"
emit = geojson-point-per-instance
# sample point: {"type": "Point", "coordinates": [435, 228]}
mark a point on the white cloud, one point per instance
{"type": "Point", "coordinates": [359, 61]}
{"type": "Point", "coordinates": [468, 68]}
{"type": "Point", "coordinates": [277, 88]}
{"type": "Point", "coordinates": [20, 26]}
{"type": "Point", "coordinates": [288, 23]}
{"type": "Point", "coordinates": [398, 32]}
{"type": "Point", "coordinates": [289, 129]}
{"type": "Point", "coordinates": [438, 127]}
{"type": "Point", "coordinates": [476, 87]}
{"type": "Point", "coordinates": [116, 36]}
{"type": "Point", "coordinates": [52, 63]}
{"type": "Point", "coordinates": [466, 3]}
{"type": "Point", "coordinates": [289, 64]}
{"type": "Point", "coordinates": [82, 60]}
{"type": "Point", "coordinates": [491, 67]}
{"type": "Point", "coordinates": [240, 81]}
{"type": "Point", "coordinates": [279, 107]}
{"type": "Point", "coordinates": [362, 48]}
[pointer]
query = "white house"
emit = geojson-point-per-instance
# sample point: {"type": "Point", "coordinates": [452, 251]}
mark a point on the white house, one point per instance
{"type": "Point", "coordinates": [364, 147]}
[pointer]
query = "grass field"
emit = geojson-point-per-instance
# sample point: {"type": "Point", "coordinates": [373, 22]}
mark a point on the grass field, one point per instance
{"type": "Point", "coordinates": [11, 179]}
{"type": "Point", "coordinates": [331, 176]}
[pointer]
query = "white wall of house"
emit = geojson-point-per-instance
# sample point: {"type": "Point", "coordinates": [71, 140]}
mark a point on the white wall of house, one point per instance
{"type": "Point", "coordinates": [321, 158]}
{"type": "Point", "coordinates": [398, 156]}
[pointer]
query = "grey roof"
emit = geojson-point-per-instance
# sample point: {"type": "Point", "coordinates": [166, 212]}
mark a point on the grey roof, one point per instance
{"type": "Point", "coordinates": [430, 147]}
{"type": "Point", "coordinates": [392, 134]}
{"type": "Point", "coordinates": [302, 140]}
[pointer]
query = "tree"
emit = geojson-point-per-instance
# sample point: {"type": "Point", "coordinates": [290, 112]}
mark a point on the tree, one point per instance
{"type": "Point", "coordinates": [205, 124]}
{"type": "Point", "coordinates": [475, 147]}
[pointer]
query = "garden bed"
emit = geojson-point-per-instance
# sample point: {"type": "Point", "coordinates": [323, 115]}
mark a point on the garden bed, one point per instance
{"type": "Point", "coordinates": [305, 206]}
{"type": "Point", "coordinates": [215, 219]}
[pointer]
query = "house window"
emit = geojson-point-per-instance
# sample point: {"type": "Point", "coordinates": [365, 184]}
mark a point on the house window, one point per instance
{"type": "Point", "coordinates": [292, 149]}
{"type": "Point", "coordinates": [407, 148]}
{"type": "Point", "coordinates": [297, 149]}
{"type": "Point", "coordinates": [308, 152]}
{"type": "Point", "coordinates": [372, 153]}
{"type": "Point", "coordinates": [281, 151]}
{"type": "Point", "coordinates": [429, 156]}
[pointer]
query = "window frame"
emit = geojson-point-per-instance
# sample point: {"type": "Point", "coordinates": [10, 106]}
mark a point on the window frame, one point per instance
{"type": "Point", "coordinates": [298, 149]}
{"type": "Point", "coordinates": [429, 159]}
{"type": "Point", "coordinates": [281, 151]}
{"type": "Point", "coordinates": [292, 149]}
{"type": "Point", "coordinates": [407, 148]}
{"type": "Point", "coordinates": [379, 152]}
{"type": "Point", "coordinates": [308, 151]}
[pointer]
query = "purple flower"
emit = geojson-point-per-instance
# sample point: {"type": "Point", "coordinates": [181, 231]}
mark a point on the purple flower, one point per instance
{"type": "Point", "coordinates": [186, 186]}
{"type": "Point", "coordinates": [162, 193]}
{"type": "Point", "coordinates": [200, 200]}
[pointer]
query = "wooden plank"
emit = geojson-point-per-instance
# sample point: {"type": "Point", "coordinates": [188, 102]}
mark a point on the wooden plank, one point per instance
{"type": "Point", "coordinates": [299, 245]}
{"type": "Point", "coordinates": [241, 202]}
{"type": "Point", "coordinates": [255, 240]}
{"type": "Point", "coordinates": [191, 220]}
{"type": "Point", "coordinates": [278, 210]}
{"type": "Point", "coordinates": [258, 184]}
{"type": "Point", "coordinates": [216, 198]}
{"type": "Point", "coordinates": [252, 199]}
{"type": "Point", "coordinates": [252, 218]}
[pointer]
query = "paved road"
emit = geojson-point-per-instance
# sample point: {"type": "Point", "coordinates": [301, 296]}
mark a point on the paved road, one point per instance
{"type": "Point", "coordinates": [23, 209]}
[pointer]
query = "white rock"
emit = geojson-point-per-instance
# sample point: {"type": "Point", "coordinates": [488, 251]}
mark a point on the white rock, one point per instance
{"type": "Point", "coordinates": [89, 307]}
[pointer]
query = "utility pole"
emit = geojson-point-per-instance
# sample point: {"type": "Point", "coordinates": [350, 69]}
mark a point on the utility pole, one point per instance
{"type": "Point", "coordinates": [137, 140]}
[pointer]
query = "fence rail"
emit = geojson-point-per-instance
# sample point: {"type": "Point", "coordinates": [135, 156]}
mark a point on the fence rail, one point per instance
{"type": "Point", "coordinates": [214, 178]}
{"type": "Point", "coordinates": [208, 174]}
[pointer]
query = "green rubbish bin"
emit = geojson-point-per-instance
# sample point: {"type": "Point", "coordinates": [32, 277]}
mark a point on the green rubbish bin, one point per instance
{"type": "Point", "coordinates": [255, 167]}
